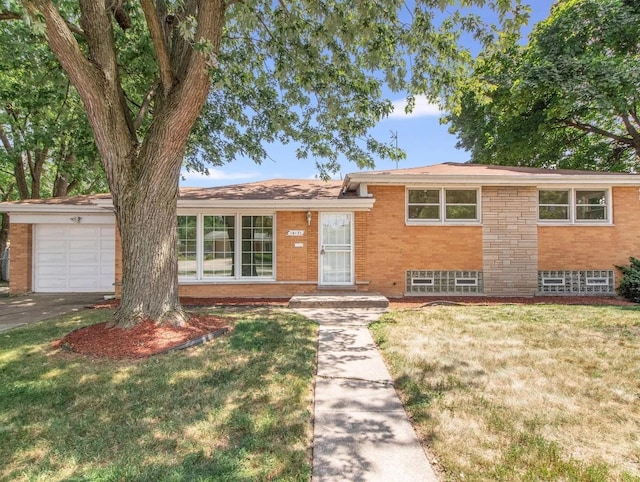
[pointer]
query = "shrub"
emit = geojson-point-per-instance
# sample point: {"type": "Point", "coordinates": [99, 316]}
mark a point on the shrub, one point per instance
{"type": "Point", "coordinates": [630, 282]}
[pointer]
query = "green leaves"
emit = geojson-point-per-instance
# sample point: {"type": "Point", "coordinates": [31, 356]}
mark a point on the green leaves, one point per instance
{"type": "Point", "coordinates": [568, 99]}
{"type": "Point", "coordinates": [309, 72]}
{"type": "Point", "coordinates": [47, 147]}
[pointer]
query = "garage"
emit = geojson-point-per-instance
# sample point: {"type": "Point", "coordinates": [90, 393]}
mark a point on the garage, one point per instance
{"type": "Point", "coordinates": [74, 258]}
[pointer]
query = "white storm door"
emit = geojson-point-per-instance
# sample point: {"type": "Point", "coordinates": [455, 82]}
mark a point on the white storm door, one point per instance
{"type": "Point", "coordinates": [336, 249]}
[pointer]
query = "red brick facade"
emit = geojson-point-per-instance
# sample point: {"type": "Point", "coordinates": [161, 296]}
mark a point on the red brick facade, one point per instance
{"type": "Point", "coordinates": [21, 236]}
{"type": "Point", "coordinates": [594, 247]}
{"type": "Point", "coordinates": [509, 246]}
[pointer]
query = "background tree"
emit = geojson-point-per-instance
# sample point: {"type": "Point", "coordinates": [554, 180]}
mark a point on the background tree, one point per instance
{"type": "Point", "coordinates": [46, 146]}
{"type": "Point", "coordinates": [568, 99]}
{"type": "Point", "coordinates": [309, 72]}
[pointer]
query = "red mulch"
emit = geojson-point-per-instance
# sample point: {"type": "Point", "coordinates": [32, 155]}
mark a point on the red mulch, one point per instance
{"type": "Point", "coordinates": [419, 301]}
{"type": "Point", "coordinates": [144, 340]}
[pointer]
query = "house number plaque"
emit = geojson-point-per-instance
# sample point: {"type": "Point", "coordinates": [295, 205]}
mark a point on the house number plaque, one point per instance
{"type": "Point", "coordinates": [297, 232]}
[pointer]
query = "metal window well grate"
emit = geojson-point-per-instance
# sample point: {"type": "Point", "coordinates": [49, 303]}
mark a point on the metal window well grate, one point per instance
{"type": "Point", "coordinates": [443, 282]}
{"type": "Point", "coordinates": [577, 282]}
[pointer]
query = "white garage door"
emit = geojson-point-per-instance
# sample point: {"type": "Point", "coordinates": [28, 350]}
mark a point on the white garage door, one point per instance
{"type": "Point", "coordinates": [74, 258]}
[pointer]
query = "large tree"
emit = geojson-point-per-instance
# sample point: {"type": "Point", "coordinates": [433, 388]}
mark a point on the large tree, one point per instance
{"type": "Point", "coordinates": [567, 99]}
{"type": "Point", "coordinates": [305, 71]}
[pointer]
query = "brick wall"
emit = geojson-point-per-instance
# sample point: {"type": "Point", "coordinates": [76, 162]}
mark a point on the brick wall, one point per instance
{"type": "Point", "coordinates": [21, 236]}
{"type": "Point", "coordinates": [392, 247]}
{"type": "Point", "coordinates": [360, 251]}
{"type": "Point", "coordinates": [246, 290]}
{"type": "Point", "coordinates": [296, 263]}
{"type": "Point", "coordinates": [594, 247]}
{"type": "Point", "coordinates": [510, 240]}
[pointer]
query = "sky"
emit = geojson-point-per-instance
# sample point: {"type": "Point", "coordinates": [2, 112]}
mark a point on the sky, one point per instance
{"type": "Point", "coordinates": [419, 134]}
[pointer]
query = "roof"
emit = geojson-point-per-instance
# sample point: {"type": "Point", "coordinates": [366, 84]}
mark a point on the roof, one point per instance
{"type": "Point", "coordinates": [285, 194]}
{"type": "Point", "coordinates": [453, 172]}
{"type": "Point", "coordinates": [350, 194]}
{"type": "Point", "coordinates": [274, 189]}
{"type": "Point", "coordinates": [467, 169]}
{"type": "Point", "coordinates": [83, 200]}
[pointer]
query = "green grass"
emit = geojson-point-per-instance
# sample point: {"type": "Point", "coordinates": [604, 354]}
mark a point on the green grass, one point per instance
{"type": "Point", "coordinates": [521, 392]}
{"type": "Point", "coordinates": [238, 408]}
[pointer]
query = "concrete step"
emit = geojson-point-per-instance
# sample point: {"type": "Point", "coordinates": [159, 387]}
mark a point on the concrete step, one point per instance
{"type": "Point", "coordinates": [339, 300]}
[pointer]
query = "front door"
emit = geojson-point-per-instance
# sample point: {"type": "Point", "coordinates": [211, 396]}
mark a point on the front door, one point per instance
{"type": "Point", "coordinates": [336, 249]}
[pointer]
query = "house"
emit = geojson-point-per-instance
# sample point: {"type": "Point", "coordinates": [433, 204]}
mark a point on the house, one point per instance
{"type": "Point", "coordinates": [446, 229]}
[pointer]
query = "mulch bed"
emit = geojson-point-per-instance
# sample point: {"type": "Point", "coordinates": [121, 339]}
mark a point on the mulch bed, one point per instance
{"type": "Point", "coordinates": [144, 340]}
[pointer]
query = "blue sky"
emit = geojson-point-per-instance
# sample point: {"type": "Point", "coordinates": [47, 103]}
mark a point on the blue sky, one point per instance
{"type": "Point", "coordinates": [420, 135]}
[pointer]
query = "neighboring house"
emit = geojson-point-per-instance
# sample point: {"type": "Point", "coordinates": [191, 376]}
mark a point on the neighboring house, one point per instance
{"type": "Point", "coordinates": [446, 229]}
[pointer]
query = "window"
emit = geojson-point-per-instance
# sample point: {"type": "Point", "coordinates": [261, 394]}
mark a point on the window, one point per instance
{"type": "Point", "coordinates": [257, 246]}
{"type": "Point", "coordinates": [426, 205]}
{"type": "Point", "coordinates": [553, 205]}
{"type": "Point", "coordinates": [573, 205]}
{"type": "Point", "coordinates": [218, 240]}
{"type": "Point", "coordinates": [187, 246]}
{"type": "Point", "coordinates": [225, 247]}
{"type": "Point", "coordinates": [461, 204]}
{"type": "Point", "coordinates": [591, 205]}
{"type": "Point", "coordinates": [553, 281]}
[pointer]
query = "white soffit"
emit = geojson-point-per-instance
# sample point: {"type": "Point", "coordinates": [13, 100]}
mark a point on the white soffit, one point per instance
{"type": "Point", "coordinates": [353, 180]}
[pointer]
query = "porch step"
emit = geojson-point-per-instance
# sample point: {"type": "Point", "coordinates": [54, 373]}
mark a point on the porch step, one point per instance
{"type": "Point", "coordinates": [339, 300]}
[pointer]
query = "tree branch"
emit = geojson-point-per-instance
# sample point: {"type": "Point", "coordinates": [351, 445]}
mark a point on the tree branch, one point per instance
{"type": "Point", "coordinates": [146, 104]}
{"type": "Point", "coordinates": [74, 28]}
{"type": "Point", "coordinates": [159, 44]}
{"type": "Point", "coordinates": [634, 115]}
{"type": "Point", "coordinates": [7, 15]}
{"type": "Point", "coordinates": [5, 140]}
{"type": "Point", "coordinates": [597, 130]}
{"type": "Point", "coordinates": [630, 128]}
{"type": "Point", "coordinates": [61, 40]}
{"type": "Point", "coordinates": [195, 82]}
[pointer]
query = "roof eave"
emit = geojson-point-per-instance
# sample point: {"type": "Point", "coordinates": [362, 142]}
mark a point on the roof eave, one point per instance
{"type": "Point", "coordinates": [353, 180]}
{"type": "Point", "coordinates": [357, 204]}
{"type": "Point", "coordinates": [53, 208]}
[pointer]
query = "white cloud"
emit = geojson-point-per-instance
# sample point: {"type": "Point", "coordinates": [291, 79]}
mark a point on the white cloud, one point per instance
{"type": "Point", "coordinates": [217, 175]}
{"type": "Point", "coordinates": [421, 108]}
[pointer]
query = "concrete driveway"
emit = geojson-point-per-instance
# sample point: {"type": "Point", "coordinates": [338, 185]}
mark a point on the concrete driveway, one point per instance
{"type": "Point", "coordinates": [20, 310]}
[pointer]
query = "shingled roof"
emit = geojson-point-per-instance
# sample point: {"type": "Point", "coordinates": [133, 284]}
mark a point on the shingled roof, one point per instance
{"type": "Point", "coordinates": [274, 189]}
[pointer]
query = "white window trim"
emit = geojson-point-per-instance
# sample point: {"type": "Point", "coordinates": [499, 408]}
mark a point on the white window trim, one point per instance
{"type": "Point", "coordinates": [573, 207]}
{"type": "Point", "coordinates": [423, 281]}
{"type": "Point", "coordinates": [466, 281]}
{"type": "Point", "coordinates": [597, 281]}
{"type": "Point", "coordinates": [199, 278]}
{"type": "Point", "coordinates": [443, 221]}
{"type": "Point", "coordinates": [551, 281]}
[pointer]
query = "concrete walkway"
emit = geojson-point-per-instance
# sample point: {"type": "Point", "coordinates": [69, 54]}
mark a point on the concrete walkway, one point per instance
{"type": "Point", "coordinates": [361, 431]}
{"type": "Point", "coordinates": [20, 310]}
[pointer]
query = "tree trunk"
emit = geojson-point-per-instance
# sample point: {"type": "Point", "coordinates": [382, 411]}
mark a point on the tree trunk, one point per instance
{"type": "Point", "coordinates": [147, 219]}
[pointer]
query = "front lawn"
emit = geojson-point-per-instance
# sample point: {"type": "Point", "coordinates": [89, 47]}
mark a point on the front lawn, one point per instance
{"type": "Point", "coordinates": [508, 392]}
{"type": "Point", "coordinates": [238, 408]}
